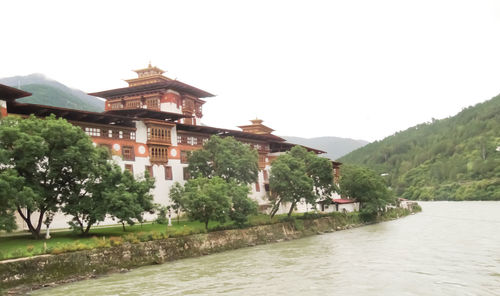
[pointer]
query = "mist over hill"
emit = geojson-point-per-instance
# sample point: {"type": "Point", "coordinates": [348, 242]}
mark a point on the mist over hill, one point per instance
{"type": "Point", "coordinates": [457, 158]}
{"type": "Point", "coordinates": [334, 147]}
{"type": "Point", "coordinates": [49, 92]}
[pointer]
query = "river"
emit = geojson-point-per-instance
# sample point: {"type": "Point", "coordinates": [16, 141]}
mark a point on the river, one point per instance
{"type": "Point", "coordinates": [451, 248]}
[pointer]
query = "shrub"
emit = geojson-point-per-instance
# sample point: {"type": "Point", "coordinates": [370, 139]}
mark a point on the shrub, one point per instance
{"type": "Point", "coordinates": [100, 242]}
{"type": "Point", "coordinates": [115, 241]}
{"type": "Point", "coordinates": [131, 238]}
{"type": "Point", "coordinates": [162, 215]}
{"type": "Point", "coordinates": [312, 215]}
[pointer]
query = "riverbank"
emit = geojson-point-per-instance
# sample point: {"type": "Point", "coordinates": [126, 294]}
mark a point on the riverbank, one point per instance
{"type": "Point", "coordinates": [22, 275]}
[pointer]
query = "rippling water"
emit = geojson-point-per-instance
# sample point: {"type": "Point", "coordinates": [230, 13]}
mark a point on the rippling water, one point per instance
{"type": "Point", "coordinates": [451, 248]}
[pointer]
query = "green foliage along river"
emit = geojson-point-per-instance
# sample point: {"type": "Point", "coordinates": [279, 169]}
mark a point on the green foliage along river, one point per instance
{"type": "Point", "coordinates": [456, 158]}
{"type": "Point", "coordinates": [451, 248]}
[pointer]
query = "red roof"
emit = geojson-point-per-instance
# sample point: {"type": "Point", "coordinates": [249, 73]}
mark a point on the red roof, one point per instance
{"type": "Point", "coordinates": [343, 201]}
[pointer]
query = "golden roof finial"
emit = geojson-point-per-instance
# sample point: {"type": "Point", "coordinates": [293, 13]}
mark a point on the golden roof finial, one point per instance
{"type": "Point", "coordinates": [149, 65]}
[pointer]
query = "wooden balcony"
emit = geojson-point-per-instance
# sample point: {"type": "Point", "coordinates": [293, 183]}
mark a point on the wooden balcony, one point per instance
{"type": "Point", "coordinates": [159, 135]}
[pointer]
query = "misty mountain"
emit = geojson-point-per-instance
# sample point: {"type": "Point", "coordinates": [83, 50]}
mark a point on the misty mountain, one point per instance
{"type": "Point", "coordinates": [334, 146]}
{"type": "Point", "coordinates": [49, 92]}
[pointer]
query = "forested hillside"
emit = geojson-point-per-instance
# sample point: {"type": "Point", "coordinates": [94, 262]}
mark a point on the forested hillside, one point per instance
{"type": "Point", "coordinates": [52, 93]}
{"type": "Point", "coordinates": [456, 158]}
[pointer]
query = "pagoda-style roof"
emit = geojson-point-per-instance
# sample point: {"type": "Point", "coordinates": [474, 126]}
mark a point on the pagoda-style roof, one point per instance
{"type": "Point", "coordinates": [256, 127]}
{"type": "Point", "coordinates": [147, 113]}
{"type": "Point", "coordinates": [69, 114]}
{"type": "Point", "coordinates": [228, 132]}
{"type": "Point", "coordinates": [10, 93]}
{"type": "Point", "coordinates": [159, 86]}
{"type": "Point", "coordinates": [149, 71]}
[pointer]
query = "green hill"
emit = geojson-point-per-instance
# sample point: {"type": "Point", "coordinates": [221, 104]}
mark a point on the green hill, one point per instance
{"type": "Point", "coordinates": [52, 93]}
{"type": "Point", "coordinates": [456, 158]}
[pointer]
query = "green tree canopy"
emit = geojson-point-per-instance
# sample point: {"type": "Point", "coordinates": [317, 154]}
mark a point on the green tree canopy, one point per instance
{"type": "Point", "coordinates": [242, 206]}
{"type": "Point", "coordinates": [48, 155]}
{"type": "Point", "coordinates": [226, 158]}
{"type": "Point", "coordinates": [129, 198]}
{"type": "Point", "coordinates": [299, 176]}
{"type": "Point", "coordinates": [49, 164]}
{"type": "Point", "coordinates": [367, 187]}
{"type": "Point", "coordinates": [206, 199]}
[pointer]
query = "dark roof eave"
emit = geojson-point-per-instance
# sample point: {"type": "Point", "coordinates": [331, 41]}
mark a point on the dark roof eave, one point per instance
{"type": "Point", "coordinates": [173, 84]}
{"type": "Point", "coordinates": [68, 114]}
{"type": "Point", "coordinates": [12, 93]}
{"type": "Point", "coordinates": [228, 132]}
{"type": "Point", "coordinates": [147, 114]}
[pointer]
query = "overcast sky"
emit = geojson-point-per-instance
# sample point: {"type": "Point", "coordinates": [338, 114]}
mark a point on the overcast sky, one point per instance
{"type": "Point", "coordinates": [357, 69]}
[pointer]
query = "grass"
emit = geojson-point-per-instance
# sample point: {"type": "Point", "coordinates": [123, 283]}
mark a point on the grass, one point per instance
{"type": "Point", "coordinates": [23, 245]}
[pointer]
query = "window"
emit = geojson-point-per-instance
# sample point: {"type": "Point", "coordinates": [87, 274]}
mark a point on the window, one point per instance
{"type": "Point", "coordinates": [133, 104]}
{"type": "Point", "coordinates": [187, 105]}
{"type": "Point", "coordinates": [161, 134]}
{"type": "Point", "coordinates": [153, 103]}
{"type": "Point", "coordinates": [149, 169]}
{"type": "Point", "coordinates": [257, 187]}
{"type": "Point", "coordinates": [129, 168]}
{"type": "Point", "coordinates": [158, 153]}
{"type": "Point", "coordinates": [185, 173]}
{"type": "Point", "coordinates": [93, 132]}
{"type": "Point", "coordinates": [132, 135]}
{"type": "Point", "coordinates": [117, 105]}
{"type": "Point", "coordinates": [168, 173]}
{"type": "Point", "coordinates": [128, 153]}
{"type": "Point", "coordinates": [120, 135]}
{"type": "Point", "coordinates": [110, 133]}
{"type": "Point", "coordinates": [192, 141]}
{"type": "Point", "coordinates": [184, 156]}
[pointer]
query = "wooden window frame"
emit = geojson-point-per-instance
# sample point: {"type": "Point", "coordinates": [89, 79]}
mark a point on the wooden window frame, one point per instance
{"type": "Point", "coordinates": [128, 156]}
{"type": "Point", "coordinates": [184, 156]}
{"type": "Point", "coordinates": [149, 169]}
{"type": "Point", "coordinates": [158, 154]}
{"type": "Point", "coordinates": [168, 173]}
{"type": "Point", "coordinates": [130, 168]}
{"type": "Point", "coordinates": [185, 173]}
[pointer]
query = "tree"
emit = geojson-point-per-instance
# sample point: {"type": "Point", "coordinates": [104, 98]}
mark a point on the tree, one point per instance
{"type": "Point", "coordinates": [176, 195]}
{"type": "Point", "coordinates": [85, 198]}
{"type": "Point", "coordinates": [242, 206]}
{"type": "Point", "coordinates": [46, 154]}
{"type": "Point", "coordinates": [129, 198]}
{"type": "Point", "coordinates": [367, 187]}
{"type": "Point", "coordinates": [206, 199]}
{"type": "Point", "coordinates": [11, 188]}
{"type": "Point", "coordinates": [299, 176]}
{"type": "Point", "coordinates": [226, 158]}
